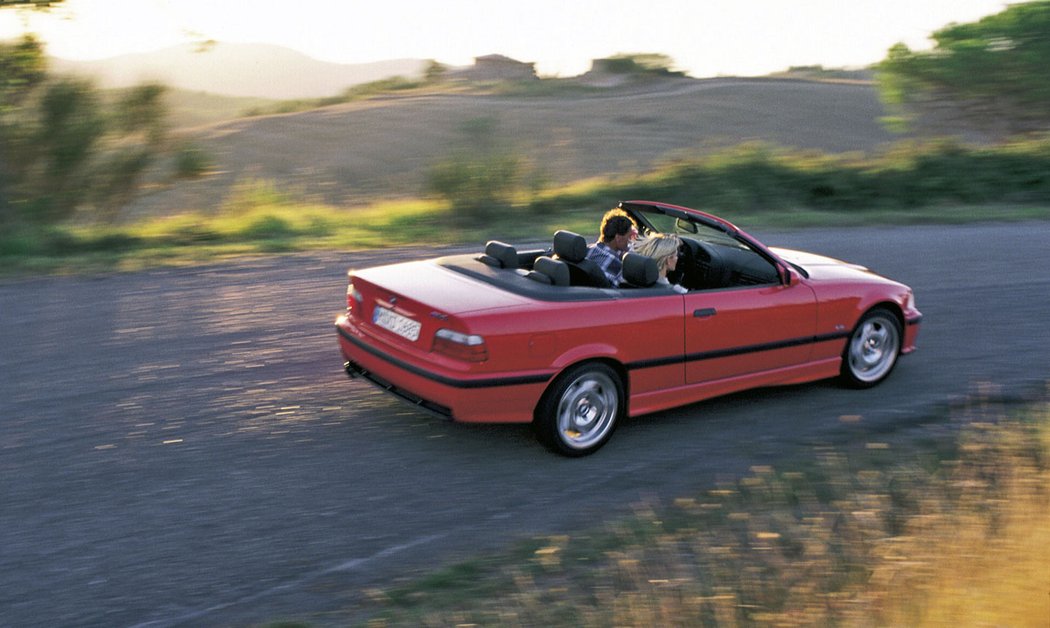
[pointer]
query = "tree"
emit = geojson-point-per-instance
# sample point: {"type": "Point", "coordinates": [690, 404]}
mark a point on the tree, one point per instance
{"type": "Point", "coordinates": [22, 69]}
{"type": "Point", "coordinates": [434, 71]}
{"type": "Point", "coordinates": [649, 63]}
{"type": "Point", "coordinates": [138, 134]}
{"type": "Point", "coordinates": [992, 70]}
{"type": "Point", "coordinates": [67, 145]}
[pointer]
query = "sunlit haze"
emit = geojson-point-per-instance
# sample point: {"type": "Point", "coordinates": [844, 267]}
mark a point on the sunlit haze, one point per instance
{"type": "Point", "coordinates": [705, 38]}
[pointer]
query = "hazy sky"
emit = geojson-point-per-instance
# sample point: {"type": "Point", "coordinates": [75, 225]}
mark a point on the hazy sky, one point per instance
{"type": "Point", "coordinates": [704, 37]}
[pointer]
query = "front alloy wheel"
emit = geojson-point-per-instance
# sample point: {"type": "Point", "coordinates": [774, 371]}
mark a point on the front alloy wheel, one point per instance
{"type": "Point", "coordinates": [872, 350]}
{"type": "Point", "coordinates": [579, 413]}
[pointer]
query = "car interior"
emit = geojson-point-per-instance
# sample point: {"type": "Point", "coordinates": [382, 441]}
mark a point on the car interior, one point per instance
{"type": "Point", "coordinates": [709, 259]}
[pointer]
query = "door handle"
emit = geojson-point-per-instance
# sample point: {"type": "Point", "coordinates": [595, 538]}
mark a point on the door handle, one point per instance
{"type": "Point", "coordinates": [704, 312]}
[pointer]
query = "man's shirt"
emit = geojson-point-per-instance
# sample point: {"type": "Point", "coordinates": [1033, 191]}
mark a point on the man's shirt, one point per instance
{"type": "Point", "coordinates": [608, 260]}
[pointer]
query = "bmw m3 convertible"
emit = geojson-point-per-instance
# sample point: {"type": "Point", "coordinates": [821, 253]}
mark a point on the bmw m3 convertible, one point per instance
{"type": "Point", "coordinates": [536, 336]}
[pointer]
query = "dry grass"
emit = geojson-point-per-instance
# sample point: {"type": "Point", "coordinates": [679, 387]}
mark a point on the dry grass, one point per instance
{"type": "Point", "coordinates": [955, 534]}
{"type": "Point", "coordinates": [353, 153]}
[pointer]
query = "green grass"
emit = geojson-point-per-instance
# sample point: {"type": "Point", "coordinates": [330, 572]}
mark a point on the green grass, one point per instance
{"type": "Point", "coordinates": [755, 186]}
{"type": "Point", "coordinates": [954, 530]}
{"type": "Point", "coordinates": [290, 228]}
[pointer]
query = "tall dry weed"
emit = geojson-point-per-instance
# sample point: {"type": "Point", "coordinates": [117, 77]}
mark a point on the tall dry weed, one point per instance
{"type": "Point", "coordinates": [957, 534]}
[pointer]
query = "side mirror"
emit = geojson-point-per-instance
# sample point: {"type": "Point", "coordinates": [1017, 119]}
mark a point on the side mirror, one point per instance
{"type": "Point", "coordinates": [682, 225]}
{"type": "Point", "coordinates": [789, 276]}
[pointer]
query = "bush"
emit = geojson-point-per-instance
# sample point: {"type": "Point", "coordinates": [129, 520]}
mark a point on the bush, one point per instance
{"type": "Point", "coordinates": [268, 227]}
{"type": "Point", "coordinates": [66, 146]}
{"type": "Point", "coordinates": [475, 187]}
{"type": "Point", "coordinates": [641, 63]}
{"type": "Point", "coordinates": [252, 194]}
{"type": "Point", "coordinates": [18, 243]}
{"type": "Point", "coordinates": [191, 162]}
{"type": "Point", "coordinates": [758, 177]}
{"type": "Point", "coordinates": [483, 177]}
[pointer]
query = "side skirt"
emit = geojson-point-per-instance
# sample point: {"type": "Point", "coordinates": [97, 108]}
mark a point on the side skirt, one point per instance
{"type": "Point", "coordinates": [691, 393]}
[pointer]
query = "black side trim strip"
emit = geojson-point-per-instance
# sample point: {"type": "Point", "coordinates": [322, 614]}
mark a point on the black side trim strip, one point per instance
{"type": "Point", "coordinates": [914, 321]}
{"type": "Point", "coordinates": [491, 382]}
{"type": "Point", "coordinates": [734, 351]}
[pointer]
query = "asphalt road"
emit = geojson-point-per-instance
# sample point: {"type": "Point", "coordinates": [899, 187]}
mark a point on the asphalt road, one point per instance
{"type": "Point", "coordinates": [181, 447]}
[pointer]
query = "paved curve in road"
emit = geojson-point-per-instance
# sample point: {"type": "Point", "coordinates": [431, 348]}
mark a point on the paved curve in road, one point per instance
{"type": "Point", "coordinates": [181, 447]}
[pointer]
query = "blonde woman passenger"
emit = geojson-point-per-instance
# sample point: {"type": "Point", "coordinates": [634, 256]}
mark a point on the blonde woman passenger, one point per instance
{"type": "Point", "coordinates": [663, 248]}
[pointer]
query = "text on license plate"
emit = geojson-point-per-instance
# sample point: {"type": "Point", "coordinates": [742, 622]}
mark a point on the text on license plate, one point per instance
{"type": "Point", "coordinates": [400, 325]}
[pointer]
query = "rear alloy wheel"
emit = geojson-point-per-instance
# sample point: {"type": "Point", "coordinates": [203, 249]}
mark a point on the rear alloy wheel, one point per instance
{"type": "Point", "coordinates": [872, 350]}
{"type": "Point", "coordinates": [580, 411]}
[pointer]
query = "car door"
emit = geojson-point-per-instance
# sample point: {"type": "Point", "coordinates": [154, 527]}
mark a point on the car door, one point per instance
{"type": "Point", "coordinates": [735, 332]}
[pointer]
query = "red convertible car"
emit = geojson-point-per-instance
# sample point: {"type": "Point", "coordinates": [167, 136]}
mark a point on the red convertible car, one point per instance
{"type": "Point", "coordinates": [536, 337]}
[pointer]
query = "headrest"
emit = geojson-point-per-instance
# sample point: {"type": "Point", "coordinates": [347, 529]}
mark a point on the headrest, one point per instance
{"type": "Point", "coordinates": [505, 255]}
{"type": "Point", "coordinates": [639, 270]}
{"type": "Point", "coordinates": [569, 246]}
{"type": "Point", "coordinates": [557, 270]}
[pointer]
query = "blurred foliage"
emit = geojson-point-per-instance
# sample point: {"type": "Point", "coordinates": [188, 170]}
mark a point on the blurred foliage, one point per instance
{"type": "Point", "coordinates": [364, 91]}
{"type": "Point", "coordinates": [952, 531]}
{"type": "Point", "coordinates": [820, 73]}
{"type": "Point", "coordinates": [482, 177]}
{"type": "Point", "coordinates": [649, 63]}
{"type": "Point", "coordinates": [756, 185]}
{"type": "Point", "coordinates": [22, 67]}
{"type": "Point", "coordinates": [66, 148]}
{"type": "Point", "coordinates": [435, 71]}
{"type": "Point", "coordinates": [191, 161]}
{"type": "Point", "coordinates": [760, 177]}
{"type": "Point", "coordinates": [993, 71]}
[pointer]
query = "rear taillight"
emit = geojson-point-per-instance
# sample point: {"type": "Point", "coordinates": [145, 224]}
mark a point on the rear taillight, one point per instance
{"type": "Point", "coordinates": [353, 297]}
{"type": "Point", "coordinates": [466, 347]}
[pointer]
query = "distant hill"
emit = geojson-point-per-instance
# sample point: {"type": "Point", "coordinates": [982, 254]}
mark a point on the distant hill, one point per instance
{"type": "Point", "coordinates": [245, 70]}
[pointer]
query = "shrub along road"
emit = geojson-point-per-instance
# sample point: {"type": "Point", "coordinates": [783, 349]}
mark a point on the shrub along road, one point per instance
{"type": "Point", "coordinates": [180, 446]}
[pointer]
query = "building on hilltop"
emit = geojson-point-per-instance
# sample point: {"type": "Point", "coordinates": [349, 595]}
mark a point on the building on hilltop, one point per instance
{"type": "Point", "coordinates": [495, 68]}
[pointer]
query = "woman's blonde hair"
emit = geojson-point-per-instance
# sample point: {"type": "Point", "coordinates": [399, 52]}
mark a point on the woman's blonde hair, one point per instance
{"type": "Point", "coordinates": [660, 247]}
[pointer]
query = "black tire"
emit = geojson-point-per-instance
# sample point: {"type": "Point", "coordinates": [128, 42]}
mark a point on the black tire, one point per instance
{"type": "Point", "coordinates": [580, 411]}
{"type": "Point", "coordinates": [872, 349]}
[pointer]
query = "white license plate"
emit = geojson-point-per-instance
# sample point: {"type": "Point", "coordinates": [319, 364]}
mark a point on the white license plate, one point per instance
{"type": "Point", "coordinates": [400, 325]}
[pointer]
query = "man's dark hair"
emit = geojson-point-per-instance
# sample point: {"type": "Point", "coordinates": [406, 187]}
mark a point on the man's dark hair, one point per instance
{"type": "Point", "coordinates": [615, 222]}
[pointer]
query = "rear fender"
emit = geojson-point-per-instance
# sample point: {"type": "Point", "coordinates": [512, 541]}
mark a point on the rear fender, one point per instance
{"type": "Point", "coordinates": [582, 353]}
{"type": "Point", "coordinates": [609, 361]}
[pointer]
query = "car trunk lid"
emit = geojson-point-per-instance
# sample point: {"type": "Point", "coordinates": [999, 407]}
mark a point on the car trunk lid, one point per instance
{"type": "Point", "coordinates": [440, 298]}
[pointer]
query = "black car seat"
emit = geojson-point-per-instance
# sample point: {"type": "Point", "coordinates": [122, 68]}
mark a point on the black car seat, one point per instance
{"type": "Point", "coordinates": [639, 271]}
{"type": "Point", "coordinates": [549, 271]}
{"type": "Point", "coordinates": [500, 255]}
{"type": "Point", "coordinates": [571, 248]}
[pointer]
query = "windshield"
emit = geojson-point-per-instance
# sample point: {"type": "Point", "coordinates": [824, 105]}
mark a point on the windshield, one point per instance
{"type": "Point", "coordinates": [709, 258]}
{"type": "Point", "coordinates": [663, 223]}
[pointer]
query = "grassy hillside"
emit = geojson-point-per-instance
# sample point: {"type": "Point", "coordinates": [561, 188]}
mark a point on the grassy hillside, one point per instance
{"type": "Point", "coordinates": [188, 109]}
{"type": "Point", "coordinates": [352, 175]}
{"type": "Point", "coordinates": [380, 148]}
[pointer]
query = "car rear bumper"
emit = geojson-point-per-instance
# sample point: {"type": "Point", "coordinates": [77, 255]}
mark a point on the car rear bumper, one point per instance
{"type": "Point", "coordinates": [503, 398]}
{"type": "Point", "coordinates": [355, 370]}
